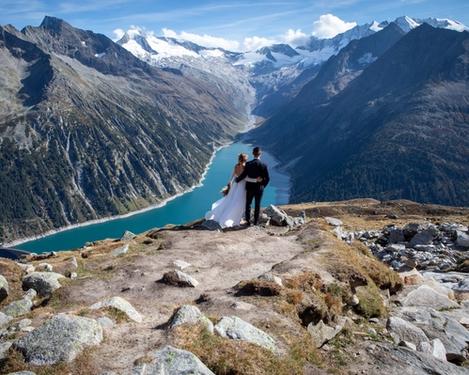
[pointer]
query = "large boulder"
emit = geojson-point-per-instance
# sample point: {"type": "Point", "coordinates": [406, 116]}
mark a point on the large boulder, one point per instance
{"type": "Point", "coordinates": [178, 278]}
{"type": "Point", "coordinates": [189, 314]}
{"type": "Point", "coordinates": [426, 296]}
{"type": "Point", "coordinates": [3, 288]}
{"type": "Point", "coordinates": [59, 339]}
{"type": "Point", "coordinates": [172, 361]}
{"type": "Point", "coordinates": [237, 329]}
{"type": "Point", "coordinates": [425, 237]}
{"type": "Point", "coordinates": [120, 304]}
{"type": "Point", "coordinates": [44, 283]}
{"type": "Point", "coordinates": [402, 330]}
{"type": "Point", "coordinates": [121, 250]}
{"type": "Point", "coordinates": [333, 221]}
{"type": "Point", "coordinates": [277, 216]}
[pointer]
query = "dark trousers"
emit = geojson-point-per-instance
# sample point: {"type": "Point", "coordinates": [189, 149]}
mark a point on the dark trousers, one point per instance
{"type": "Point", "coordinates": [255, 194]}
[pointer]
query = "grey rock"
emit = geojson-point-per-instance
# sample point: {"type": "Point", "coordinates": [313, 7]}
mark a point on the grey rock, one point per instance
{"type": "Point", "coordinates": [127, 236]}
{"type": "Point", "coordinates": [178, 278]}
{"type": "Point", "coordinates": [271, 278]}
{"type": "Point", "coordinates": [120, 250]}
{"type": "Point", "coordinates": [26, 267]}
{"type": "Point", "coordinates": [60, 338]}
{"type": "Point", "coordinates": [44, 283]}
{"type": "Point", "coordinates": [424, 295]}
{"type": "Point", "coordinates": [277, 216]}
{"type": "Point", "coordinates": [19, 307]}
{"type": "Point", "coordinates": [4, 319]}
{"type": "Point", "coordinates": [407, 344]}
{"type": "Point", "coordinates": [322, 333]}
{"type": "Point", "coordinates": [333, 221]}
{"type": "Point", "coordinates": [22, 373]}
{"type": "Point", "coordinates": [424, 237]}
{"type": "Point", "coordinates": [44, 267]}
{"type": "Point", "coordinates": [172, 361]}
{"type": "Point", "coordinates": [438, 349]}
{"type": "Point", "coordinates": [462, 239]}
{"type": "Point", "coordinates": [3, 288]}
{"type": "Point", "coordinates": [402, 330]}
{"type": "Point", "coordinates": [120, 304]}
{"type": "Point", "coordinates": [4, 347]}
{"type": "Point", "coordinates": [105, 322]}
{"type": "Point", "coordinates": [237, 329]}
{"type": "Point", "coordinates": [396, 235]}
{"type": "Point", "coordinates": [181, 265]}
{"type": "Point", "coordinates": [189, 314]}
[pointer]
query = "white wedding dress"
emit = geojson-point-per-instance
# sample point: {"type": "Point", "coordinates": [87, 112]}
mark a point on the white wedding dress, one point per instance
{"type": "Point", "coordinates": [229, 210]}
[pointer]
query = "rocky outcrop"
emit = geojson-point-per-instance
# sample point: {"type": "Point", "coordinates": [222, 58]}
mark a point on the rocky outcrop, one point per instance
{"type": "Point", "coordinates": [172, 361]}
{"type": "Point", "coordinates": [61, 338]}
{"type": "Point", "coordinates": [44, 283]}
{"type": "Point", "coordinates": [21, 306]}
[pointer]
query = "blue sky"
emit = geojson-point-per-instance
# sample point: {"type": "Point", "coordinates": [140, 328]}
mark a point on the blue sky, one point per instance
{"type": "Point", "coordinates": [232, 20]}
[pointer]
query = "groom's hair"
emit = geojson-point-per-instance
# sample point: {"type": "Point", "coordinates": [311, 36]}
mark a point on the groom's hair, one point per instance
{"type": "Point", "coordinates": [256, 151]}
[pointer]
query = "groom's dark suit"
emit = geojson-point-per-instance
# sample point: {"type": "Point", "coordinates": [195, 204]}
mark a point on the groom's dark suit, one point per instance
{"type": "Point", "coordinates": [252, 171]}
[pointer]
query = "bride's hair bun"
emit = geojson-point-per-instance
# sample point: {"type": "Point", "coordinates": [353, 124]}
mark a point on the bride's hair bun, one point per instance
{"type": "Point", "coordinates": [242, 157]}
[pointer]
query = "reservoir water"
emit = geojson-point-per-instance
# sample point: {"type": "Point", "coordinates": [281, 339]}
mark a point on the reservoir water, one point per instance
{"type": "Point", "coordinates": [187, 207]}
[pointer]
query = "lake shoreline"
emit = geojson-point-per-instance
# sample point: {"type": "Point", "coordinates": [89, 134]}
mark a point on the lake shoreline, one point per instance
{"type": "Point", "coordinates": [122, 216]}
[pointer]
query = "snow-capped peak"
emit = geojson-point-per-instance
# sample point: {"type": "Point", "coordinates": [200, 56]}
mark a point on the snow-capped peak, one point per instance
{"type": "Point", "coordinates": [375, 26]}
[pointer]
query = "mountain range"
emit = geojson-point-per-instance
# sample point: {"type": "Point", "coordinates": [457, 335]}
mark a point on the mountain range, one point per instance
{"type": "Point", "coordinates": [387, 117]}
{"type": "Point", "coordinates": [91, 128]}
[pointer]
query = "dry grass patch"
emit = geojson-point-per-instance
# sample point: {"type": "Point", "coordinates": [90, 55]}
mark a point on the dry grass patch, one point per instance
{"type": "Point", "coordinates": [234, 357]}
{"type": "Point", "coordinates": [258, 288]}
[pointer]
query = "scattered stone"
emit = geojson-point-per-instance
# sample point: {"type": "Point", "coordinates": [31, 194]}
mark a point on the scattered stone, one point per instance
{"type": "Point", "coordinates": [271, 278]}
{"type": "Point", "coordinates": [189, 314]}
{"type": "Point", "coordinates": [178, 278]}
{"type": "Point", "coordinates": [279, 218]}
{"type": "Point", "coordinates": [22, 373]}
{"type": "Point", "coordinates": [172, 361]}
{"type": "Point", "coordinates": [4, 319]}
{"type": "Point", "coordinates": [44, 283]}
{"type": "Point", "coordinates": [371, 331]}
{"type": "Point", "coordinates": [237, 329]}
{"type": "Point", "coordinates": [120, 250]}
{"type": "Point", "coordinates": [322, 333]}
{"type": "Point", "coordinates": [374, 320]}
{"type": "Point", "coordinates": [461, 291]}
{"type": "Point", "coordinates": [73, 275]}
{"type": "Point", "coordinates": [105, 322]}
{"type": "Point", "coordinates": [240, 305]}
{"type": "Point", "coordinates": [402, 330]}
{"type": "Point", "coordinates": [43, 256]}
{"type": "Point", "coordinates": [26, 267]}
{"type": "Point", "coordinates": [21, 306]}
{"type": "Point", "coordinates": [181, 265]}
{"type": "Point", "coordinates": [127, 236]}
{"type": "Point", "coordinates": [120, 304]}
{"type": "Point", "coordinates": [429, 297]}
{"type": "Point", "coordinates": [424, 237]}
{"type": "Point", "coordinates": [333, 221]}
{"type": "Point", "coordinates": [354, 301]}
{"type": "Point", "coordinates": [44, 267]}
{"type": "Point", "coordinates": [3, 288]}
{"type": "Point", "coordinates": [60, 338]}
{"type": "Point", "coordinates": [4, 348]}
{"type": "Point", "coordinates": [438, 350]}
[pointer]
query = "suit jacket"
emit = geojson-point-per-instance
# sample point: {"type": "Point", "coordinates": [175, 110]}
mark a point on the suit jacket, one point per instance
{"type": "Point", "coordinates": [254, 169]}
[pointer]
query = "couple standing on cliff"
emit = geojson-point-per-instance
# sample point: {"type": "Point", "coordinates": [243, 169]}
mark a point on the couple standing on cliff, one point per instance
{"type": "Point", "coordinates": [247, 183]}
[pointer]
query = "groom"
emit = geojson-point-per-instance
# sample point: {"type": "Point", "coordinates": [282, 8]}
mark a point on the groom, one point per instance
{"type": "Point", "coordinates": [257, 177]}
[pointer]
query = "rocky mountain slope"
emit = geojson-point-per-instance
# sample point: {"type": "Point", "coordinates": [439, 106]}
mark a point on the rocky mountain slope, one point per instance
{"type": "Point", "coordinates": [88, 130]}
{"type": "Point", "coordinates": [310, 299]}
{"type": "Point", "coordinates": [399, 128]}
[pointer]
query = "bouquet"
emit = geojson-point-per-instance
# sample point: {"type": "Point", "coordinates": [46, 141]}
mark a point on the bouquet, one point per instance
{"type": "Point", "coordinates": [226, 190]}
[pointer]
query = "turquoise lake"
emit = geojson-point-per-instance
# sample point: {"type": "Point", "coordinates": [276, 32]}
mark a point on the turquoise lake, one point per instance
{"type": "Point", "coordinates": [180, 210]}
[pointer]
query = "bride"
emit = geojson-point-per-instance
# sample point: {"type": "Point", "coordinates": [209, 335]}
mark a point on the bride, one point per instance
{"type": "Point", "coordinates": [229, 210]}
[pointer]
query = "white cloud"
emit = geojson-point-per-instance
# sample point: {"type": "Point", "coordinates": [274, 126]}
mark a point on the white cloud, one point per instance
{"type": "Point", "coordinates": [328, 26]}
{"type": "Point", "coordinates": [253, 43]}
{"type": "Point", "coordinates": [118, 33]}
{"type": "Point", "coordinates": [203, 39]}
{"type": "Point", "coordinates": [295, 37]}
